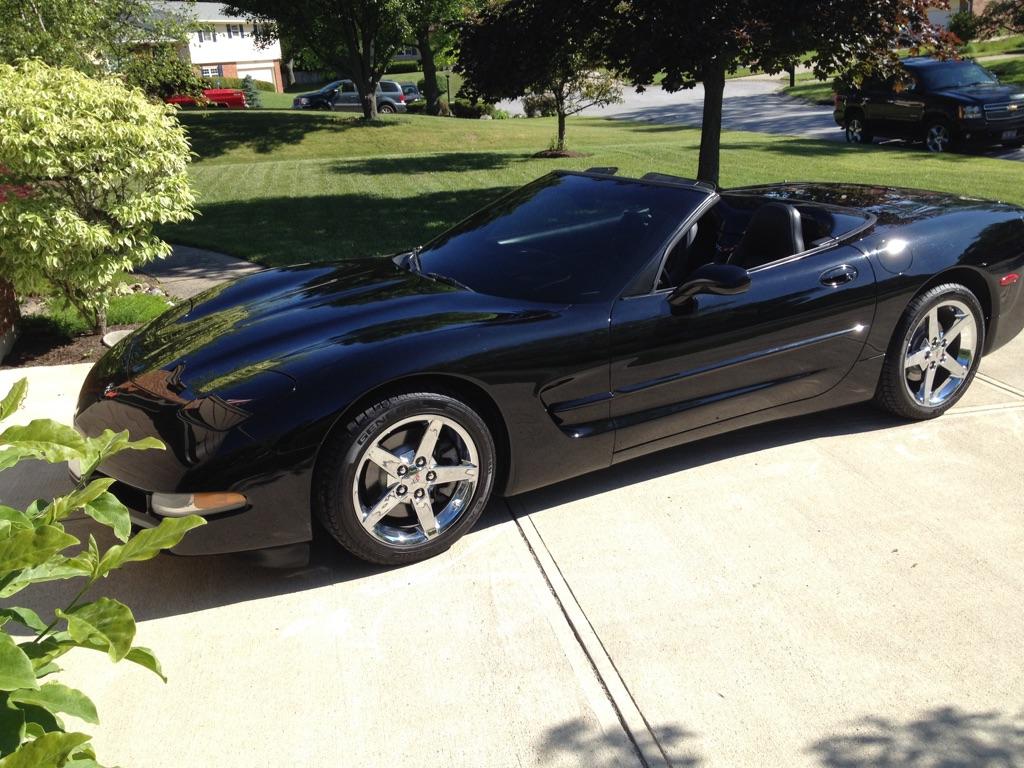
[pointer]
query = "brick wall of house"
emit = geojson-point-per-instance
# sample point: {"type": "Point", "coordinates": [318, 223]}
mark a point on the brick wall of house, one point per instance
{"type": "Point", "coordinates": [278, 77]}
{"type": "Point", "coordinates": [9, 316]}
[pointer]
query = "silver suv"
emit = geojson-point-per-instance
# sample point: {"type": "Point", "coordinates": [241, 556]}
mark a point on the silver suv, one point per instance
{"type": "Point", "coordinates": [390, 98]}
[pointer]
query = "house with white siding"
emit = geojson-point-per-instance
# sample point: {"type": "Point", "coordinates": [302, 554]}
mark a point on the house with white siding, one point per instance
{"type": "Point", "coordinates": [226, 45]}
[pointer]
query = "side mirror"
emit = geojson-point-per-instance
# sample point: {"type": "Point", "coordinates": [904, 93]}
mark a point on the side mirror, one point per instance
{"type": "Point", "coordinates": [717, 279]}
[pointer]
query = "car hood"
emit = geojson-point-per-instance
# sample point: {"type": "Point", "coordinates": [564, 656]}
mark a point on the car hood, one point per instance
{"type": "Point", "coordinates": [985, 94]}
{"type": "Point", "coordinates": [219, 342]}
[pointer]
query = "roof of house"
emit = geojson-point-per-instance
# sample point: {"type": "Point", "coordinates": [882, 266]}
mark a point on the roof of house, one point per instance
{"type": "Point", "coordinates": [198, 11]}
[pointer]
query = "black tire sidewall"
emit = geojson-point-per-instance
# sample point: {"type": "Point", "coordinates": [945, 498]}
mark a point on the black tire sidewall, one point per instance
{"type": "Point", "coordinates": [894, 371]}
{"type": "Point", "coordinates": [334, 496]}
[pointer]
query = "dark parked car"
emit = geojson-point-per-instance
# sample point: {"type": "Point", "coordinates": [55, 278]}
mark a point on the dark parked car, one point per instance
{"type": "Point", "coordinates": [320, 99]}
{"type": "Point", "coordinates": [945, 104]}
{"type": "Point", "coordinates": [580, 321]}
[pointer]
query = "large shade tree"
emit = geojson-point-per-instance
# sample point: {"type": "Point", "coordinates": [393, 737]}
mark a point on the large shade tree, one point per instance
{"type": "Point", "coordinates": [522, 47]}
{"type": "Point", "coordinates": [357, 37]}
{"type": "Point", "coordinates": [1003, 16]}
{"type": "Point", "coordinates": [693, 41]}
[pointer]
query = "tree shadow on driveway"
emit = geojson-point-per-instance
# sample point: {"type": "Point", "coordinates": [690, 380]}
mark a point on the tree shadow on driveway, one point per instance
{"type": "Point", "coordinates": [575, 742]}
{"type": "Point", "coordinates": [170, 585]}
{"type": "Point", "coordinates": [946, 737]}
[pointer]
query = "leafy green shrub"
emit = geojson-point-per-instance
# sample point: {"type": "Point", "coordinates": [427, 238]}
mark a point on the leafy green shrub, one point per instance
{"type": "Point", "coordinates": [540, 105]}
{"type": "Point", "coordinates": [95, 173]}
{"type": "Point", "coordinates": [36, 548]}
{"type": "Point", "coordinates": [403, 67]}
{"type": "Point", "coordinates": [500, 114]}
{"type": "Point", "coordinates": [964, 25]}
{"type": "Point", "coordinates": [239, 82]}
{"type": "Point", "coordinates": [416, 108]}
{"type": "Point", "coordinates": [441, 84]}
{"type": "Point", "coordinates": [467, 110]}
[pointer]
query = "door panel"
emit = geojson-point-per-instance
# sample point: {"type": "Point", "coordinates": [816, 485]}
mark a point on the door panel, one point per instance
{"type": "Point", "coordinates": [794, 334]}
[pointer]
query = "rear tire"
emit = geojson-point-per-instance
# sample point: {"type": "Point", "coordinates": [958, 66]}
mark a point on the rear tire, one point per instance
{"type": "Point", "coordinates": [406, 478]}
{"type": "Point", "coordinates": [857, 131]}
{"type": "Point", "coordinates": [934, 353]}
{"type": "Point", "coordinates": [387, 109]}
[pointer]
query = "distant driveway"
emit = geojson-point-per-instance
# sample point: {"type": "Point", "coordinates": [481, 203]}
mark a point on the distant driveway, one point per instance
{"type": "Point", "coordinates": [750, 104]}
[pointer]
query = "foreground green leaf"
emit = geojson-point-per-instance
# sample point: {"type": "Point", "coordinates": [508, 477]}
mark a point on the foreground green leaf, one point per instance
{"type": "Point", "coordinates": [56, 697]}
{"type": "Point", "coordinates": [24, 616]}
{"type": "Point", "coordinates": [104, 623]}
{"type": "Point", "coordinates": [11, 456]}
{"type": "Point", "coordinates": [144, 657]}
{"type": "Point", "coordinates": [149, 542]}
{"type": "Point", "coordinates": [51, 750]}
{"type": "Point", "coordinates": [106, 509]}
{"type": "Point", "coordinates": [12, 727]}
{"type": "Point", "coordinates": [46, 440]}
{"type": "Point", "coordinates": [55, 569]}
{"type": "Point", "coordinates": [15, 517]}
{"type": "Point", "coordinates": [16, 669]}
{"type": "Point", "coordinates": [14, 398]}
{"type": "Point", "coordinates": [30, 548]}
{"type": "Point", "coordinates": [63, 506]}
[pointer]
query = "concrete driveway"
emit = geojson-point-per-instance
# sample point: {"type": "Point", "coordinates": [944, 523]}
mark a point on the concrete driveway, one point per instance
{"type": "Point", "coordinates": [838, 590]}
{"type": "Point", "coordinates": [751, 104]}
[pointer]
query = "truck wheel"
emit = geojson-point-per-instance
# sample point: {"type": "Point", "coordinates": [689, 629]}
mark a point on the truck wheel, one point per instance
{"type": "Point", "coordinates": [938, 136]}
{"type": "Point", "coordinates": [857, 130]}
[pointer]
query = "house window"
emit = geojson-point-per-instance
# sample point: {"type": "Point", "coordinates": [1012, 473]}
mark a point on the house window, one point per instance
{"type": "Point", "coordinates": [235, 30]}
{"type": "Point", "coordinates": [212, 71]}
{"type": "Point", "coordinates": [207, 35]}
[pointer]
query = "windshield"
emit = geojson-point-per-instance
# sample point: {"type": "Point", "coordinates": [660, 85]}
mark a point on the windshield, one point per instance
{"type": "Point", "coordinates": [563, 238]}
{"type": "Point", "coordinates": [955, 74]}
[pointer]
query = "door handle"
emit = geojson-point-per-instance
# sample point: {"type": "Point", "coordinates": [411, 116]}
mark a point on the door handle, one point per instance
{"type": "Point", "coordinates": [838, 276]}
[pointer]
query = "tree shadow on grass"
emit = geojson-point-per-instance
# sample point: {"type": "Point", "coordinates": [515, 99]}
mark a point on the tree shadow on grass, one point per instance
{"type": "Point", "coordinates": [577, 742]}
{"type": "Point", "coordinates": [214, 133]}
{"type": "Point", "coordinates": [946, 737]}
{"type": "Point", "coordinates": [285, 230]}
{"type": "Point", "coordinates": [443, 162]}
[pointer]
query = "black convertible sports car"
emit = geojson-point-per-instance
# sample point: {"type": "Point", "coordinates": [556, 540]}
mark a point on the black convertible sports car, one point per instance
{"type": "Point", "coordinates": [582, 320]}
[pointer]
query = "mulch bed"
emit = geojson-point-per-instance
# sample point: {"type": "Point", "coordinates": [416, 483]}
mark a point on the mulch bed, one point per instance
{"type": "Point", "coordinates": [38, 344]}
{"type": "Point", "coordinates": [555, 153]}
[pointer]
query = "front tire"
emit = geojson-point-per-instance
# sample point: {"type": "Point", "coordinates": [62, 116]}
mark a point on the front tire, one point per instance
{"type": "Point", "coordinates": [938, 137]}
{"type": "Point", "coordinates": [406, 478]}
{"type": "Point", "coordinates": [934, 353]}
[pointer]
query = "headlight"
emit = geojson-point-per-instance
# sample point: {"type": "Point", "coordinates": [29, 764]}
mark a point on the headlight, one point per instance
{"type": "Point", "coordinates": [303, 101]}
{"type": "Point", "coordinates": [971, 112]}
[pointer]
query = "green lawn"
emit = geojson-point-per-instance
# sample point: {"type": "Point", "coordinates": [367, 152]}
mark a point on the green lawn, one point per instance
{"type": "Point", "coordinates": [809, 88]}
{"type": "Point", "coordinates": [289, 187]}
{"type": "Point", "coordinates": [1011, 44]}
{"type": "Point", "coordinates": [1009, 71]}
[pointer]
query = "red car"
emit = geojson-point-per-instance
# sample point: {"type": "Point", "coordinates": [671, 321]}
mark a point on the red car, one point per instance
{"type": "Point", "coordinates": [227, 98]}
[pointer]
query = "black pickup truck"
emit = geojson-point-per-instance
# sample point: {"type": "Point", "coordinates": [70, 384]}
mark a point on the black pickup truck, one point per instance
{"type": "Point", "coordinates": [945, 104]}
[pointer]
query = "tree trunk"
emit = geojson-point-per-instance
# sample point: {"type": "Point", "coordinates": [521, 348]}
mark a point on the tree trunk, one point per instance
{"type": "Point", "coordinates": [430, 89]}
{"type": "Point", "coordinates": [101, 322]}
{"type": "Point", "coordinates": [10, 317]}
{"type": "Point", "coordinates": [289, 71]}
{"type": "Point", "coordinates": [711, 126]}
{"type": "Point", "coordinates": [561, 129]}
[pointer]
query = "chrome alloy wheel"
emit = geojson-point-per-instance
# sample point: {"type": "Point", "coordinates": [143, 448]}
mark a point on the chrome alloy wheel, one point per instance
{"type": "Point", "coordinates": [941, 353]}
{"type": "Point", "coordinates": [855, 131]}
{"type": "Point", "coordinates": [938, 138]}
{"type": "Point", "coordinates": [415, 481]}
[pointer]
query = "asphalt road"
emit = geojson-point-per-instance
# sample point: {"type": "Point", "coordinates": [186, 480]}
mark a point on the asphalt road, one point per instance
{"type": "Point", "coordinates": [837, 590]}
{"type": "Point", "coordinates": [750, 104]}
